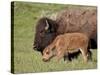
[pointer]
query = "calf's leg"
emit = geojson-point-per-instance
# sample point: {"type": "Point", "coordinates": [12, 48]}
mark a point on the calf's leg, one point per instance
{"type": "Point", "coordinates": [60, 54]}
{"type": "Point", "coordinates": [84, 54]}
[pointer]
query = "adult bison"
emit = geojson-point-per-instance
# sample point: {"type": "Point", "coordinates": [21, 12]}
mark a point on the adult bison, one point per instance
{"type": "Point", "coordinates": [67, 21]}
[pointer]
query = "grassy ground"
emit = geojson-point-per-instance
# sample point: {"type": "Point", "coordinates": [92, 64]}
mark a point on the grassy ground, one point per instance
{"type": "Point", "coordinates": [25, 58]}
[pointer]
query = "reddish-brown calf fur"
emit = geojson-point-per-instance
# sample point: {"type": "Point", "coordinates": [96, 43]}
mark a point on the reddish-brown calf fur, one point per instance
{"type": "Point", "coordinates": [67, 43]}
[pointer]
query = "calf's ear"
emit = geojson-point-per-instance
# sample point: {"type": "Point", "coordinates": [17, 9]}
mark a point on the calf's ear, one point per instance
{"type": "Point", "coordinates": [47, 25]}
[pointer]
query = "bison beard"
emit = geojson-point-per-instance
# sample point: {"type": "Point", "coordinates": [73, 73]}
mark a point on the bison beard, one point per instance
{"type": "Point", "coordinates": [67, 21]}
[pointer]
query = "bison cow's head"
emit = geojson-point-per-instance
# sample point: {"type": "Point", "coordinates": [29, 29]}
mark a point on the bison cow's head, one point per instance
{"type": "Point", "coordinates": [45, 33]}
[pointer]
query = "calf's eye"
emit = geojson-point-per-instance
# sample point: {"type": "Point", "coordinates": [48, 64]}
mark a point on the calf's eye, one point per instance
{"type": "Point", "coordinates": [47, 52]}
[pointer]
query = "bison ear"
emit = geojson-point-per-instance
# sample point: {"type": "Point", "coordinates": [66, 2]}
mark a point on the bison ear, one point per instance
{"type": "Point", "coordinates": [47, 25]}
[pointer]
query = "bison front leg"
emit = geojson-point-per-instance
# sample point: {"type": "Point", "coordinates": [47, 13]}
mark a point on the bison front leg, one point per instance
{"type": "Point", "coordinates": [67, 57]}
{"type": "Point", "coordinates": [89, 54]}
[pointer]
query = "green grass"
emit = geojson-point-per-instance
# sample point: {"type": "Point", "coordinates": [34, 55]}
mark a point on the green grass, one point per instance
{"type": "Point", "coordinates": [25, 58]}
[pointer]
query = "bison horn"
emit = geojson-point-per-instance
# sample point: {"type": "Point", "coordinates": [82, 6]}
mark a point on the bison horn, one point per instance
{"type": "Point", "coordinates": [47, 25]}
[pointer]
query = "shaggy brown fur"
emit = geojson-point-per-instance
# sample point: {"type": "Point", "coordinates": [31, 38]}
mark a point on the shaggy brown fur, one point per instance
{"type": "Point", "coordinates": [67, 43]}
{"type": "Point", "coordinates": [67, 21]}
{"type": "Point", "coordinates": [75, 20]}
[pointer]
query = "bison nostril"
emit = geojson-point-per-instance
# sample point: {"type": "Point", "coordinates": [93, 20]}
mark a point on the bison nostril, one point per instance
{"type": "Point", "coordinates": [34, 47]}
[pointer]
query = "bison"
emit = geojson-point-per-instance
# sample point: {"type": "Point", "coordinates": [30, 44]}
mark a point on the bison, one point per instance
{"type": "Point", "coordinates": [67, 21]}
{"type": "Point", "coordinates": [65, 44]}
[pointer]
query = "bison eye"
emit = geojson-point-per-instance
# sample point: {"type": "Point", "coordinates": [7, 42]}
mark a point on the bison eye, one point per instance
{"type": "Point", "coordinates": [41, 31]}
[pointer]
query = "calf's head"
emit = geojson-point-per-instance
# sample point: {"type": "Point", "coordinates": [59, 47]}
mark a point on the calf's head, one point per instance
{"type": "Point", "coordinates": [48, 54]}
{"type": "Point", "coordinates": [45, 33]}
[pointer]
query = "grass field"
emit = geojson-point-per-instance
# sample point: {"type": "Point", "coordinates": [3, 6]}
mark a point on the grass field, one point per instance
{"type": "Point", "coordinates": [25, 58]}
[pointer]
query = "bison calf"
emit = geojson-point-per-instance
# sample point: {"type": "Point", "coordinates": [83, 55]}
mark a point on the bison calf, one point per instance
{"type": "Point", "coordinates": [65, 44]}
